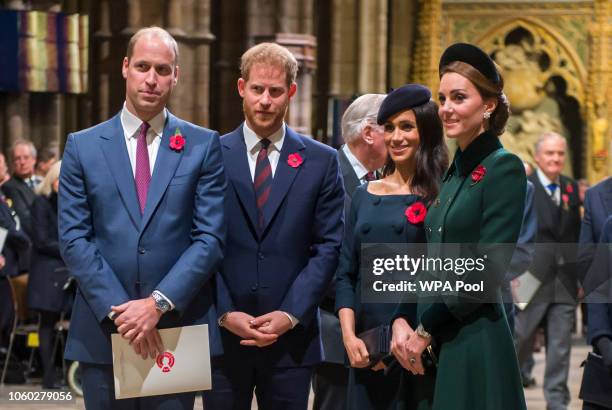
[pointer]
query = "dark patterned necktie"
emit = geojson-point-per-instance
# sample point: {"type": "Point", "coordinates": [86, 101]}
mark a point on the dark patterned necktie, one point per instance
{"type": "Point", "coordinates": [263, 180]}
{"type": "Point", "coordinates": [142, 176]}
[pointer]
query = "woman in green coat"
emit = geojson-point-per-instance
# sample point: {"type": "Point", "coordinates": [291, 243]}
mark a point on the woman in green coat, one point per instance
{"type": "Point", "coordinates": [480, 203]}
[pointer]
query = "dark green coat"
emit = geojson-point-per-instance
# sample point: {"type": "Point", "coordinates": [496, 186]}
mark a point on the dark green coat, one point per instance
{"type": "Point", "coordinates": [477, 366]}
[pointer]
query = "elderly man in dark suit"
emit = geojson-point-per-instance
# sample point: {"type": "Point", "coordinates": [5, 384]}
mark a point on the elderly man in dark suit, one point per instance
{"type": "Point", "coordinates": [20, 187]}
{"type": "Point", "coordinates": [363, 153]}
{"type": "Point", "coordinates": [558, 215]}
{"type": "Point", "coordinates": [284, 211]}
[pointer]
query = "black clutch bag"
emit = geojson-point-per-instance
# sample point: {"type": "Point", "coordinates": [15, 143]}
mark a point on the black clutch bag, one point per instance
{"type": "Point", "coordinates": [596, 387]}
{"type": "Point", "coordinates": [378, 343]}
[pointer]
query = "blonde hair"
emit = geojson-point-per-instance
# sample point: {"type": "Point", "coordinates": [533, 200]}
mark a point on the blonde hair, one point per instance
{"type": "Point", "coordinates": [271, 54]}
{"type": "Point", "coordinates": [46, 186]}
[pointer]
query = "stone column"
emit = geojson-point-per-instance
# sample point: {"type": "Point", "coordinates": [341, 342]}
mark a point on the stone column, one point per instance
{"type": "Point", "coordinates": [202, 38]}
{"type": "Point", "coordinates": [17, 106]}
{"type": "Point", "coordinates": [372, 47]}
{"type": "Point", "coordinates": [102, 40]}
{"type": "Point", "coordinates": [598, 106]}
{"type": "Point", "coordinates": [427, 52]}
{"type": "Point", "coordinates": [401, 41]}
{"type": "Point", "coordinates": [343, 61]}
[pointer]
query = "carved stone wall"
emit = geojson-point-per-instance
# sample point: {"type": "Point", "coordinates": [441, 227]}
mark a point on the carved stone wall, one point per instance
{"type": "Point", "coordinates": [569, 46]}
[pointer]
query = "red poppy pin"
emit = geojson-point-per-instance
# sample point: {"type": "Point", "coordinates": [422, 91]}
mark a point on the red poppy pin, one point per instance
{"type": "Point", "coordinates": [177, 141]}
{"type": "Point", "coordinates": [416, 213]}
{"type": "Point", "coordinates": [294, 160]}
{"type": "Point", "coordinates": [478, 174]}
{"type": "Point", "coordinates": [569, 188]}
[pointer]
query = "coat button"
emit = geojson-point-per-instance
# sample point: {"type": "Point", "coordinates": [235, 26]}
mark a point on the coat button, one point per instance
{"type": "Point", "coordinates": [254, 288]}
{"type": "Point", "coordinates": [260, 256]}
{"type": "Point", "coordinates": [142, 251]}
{"type": "Point", "coordinates": [440, 229]}
{"type": "Point", "coordinates": [376, 201]}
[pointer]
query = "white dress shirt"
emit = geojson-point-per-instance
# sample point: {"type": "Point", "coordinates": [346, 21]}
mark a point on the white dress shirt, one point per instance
{"type": "Point", "coordinates": [131, 128]}
{"type": "Point", "coordinates": [358, 167]}
{"type": "Point", "coordinates": [556, 196]}
{"type": "Point", "coordinates": [254, 146]}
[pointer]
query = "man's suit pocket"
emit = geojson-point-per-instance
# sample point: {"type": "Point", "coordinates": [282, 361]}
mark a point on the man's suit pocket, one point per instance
{"type": "Point", "coordinates": [180, 179]}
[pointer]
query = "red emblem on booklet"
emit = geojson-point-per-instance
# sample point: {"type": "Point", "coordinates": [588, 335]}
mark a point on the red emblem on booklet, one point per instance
{"type": "Point", "coordinates": [416, 213]}
{"type": "Point", "coordinates": [165, 361]}
{"type": "Point", "coordinates": [294, 160]}
{"type": "Point", "coordinates": [569, 188]}
{"type": "Point", "coordinates": [478, 174]}
{"type": "Point", "coordinates": [177, 141]}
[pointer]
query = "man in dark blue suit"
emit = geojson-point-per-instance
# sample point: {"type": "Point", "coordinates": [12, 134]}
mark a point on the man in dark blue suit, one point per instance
{"type": "Point", "coordinates": [597, 208]}
{"type": "Point", "coordinates": [141, 224]}
{"type": "Point", "coordinates": [599, 304]}
{"type": "Point", "coordinates": [284, 213]}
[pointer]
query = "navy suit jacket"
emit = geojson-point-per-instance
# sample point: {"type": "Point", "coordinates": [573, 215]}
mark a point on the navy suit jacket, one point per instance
{"type": "Point", "coordinates": [600, 310]}
{"type": "Point", "coordinates": [117, 254]}
{"type": "Point", "coordinates": [597, 208]}
{"type": "Point", "coordinates": [289, 263]}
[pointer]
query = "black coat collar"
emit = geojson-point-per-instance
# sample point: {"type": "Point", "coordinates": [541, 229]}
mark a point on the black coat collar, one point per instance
{"type": "Point", "coordinates": [478, 150]}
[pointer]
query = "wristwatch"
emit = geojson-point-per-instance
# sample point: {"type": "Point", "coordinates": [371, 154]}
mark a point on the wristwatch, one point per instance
{"type": "Point", "coordinates": [222, 319]}
{"type": "Point", "coordinates": [161, 303]}
{"type": "Point", "coordinates": [421, 332]}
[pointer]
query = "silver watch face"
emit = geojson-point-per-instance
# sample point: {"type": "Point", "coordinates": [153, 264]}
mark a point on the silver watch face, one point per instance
{"type": "Point", "coordinates": [161, 303]}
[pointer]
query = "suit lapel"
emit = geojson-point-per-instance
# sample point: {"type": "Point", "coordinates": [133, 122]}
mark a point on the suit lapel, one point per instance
{"type": "Point", "coordinates": [606, 197]}
{"type": "Point", "coordinates": [351, 180]}
{"type": "Point", "coordinates": [285, 174]}
{"type": "Point", "coordinates": [165, 166]}
{"type": "Point", "coordinates": [234, 151]}
{"type": "Point", "coordinates": [115, 152]}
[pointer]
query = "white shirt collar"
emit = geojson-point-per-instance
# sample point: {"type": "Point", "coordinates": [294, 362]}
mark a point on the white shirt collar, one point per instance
{"type": "Point", "coordinates": [252, 140]}
{"type": "Point", "coordinates": [544, 179]}
{"type": "Point", "coordinates": [358, 167]}
{"type": "Point", "coordinates": [131, 123]}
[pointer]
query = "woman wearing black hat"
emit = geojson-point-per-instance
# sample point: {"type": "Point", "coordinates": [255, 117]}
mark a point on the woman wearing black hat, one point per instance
{"type": "Point", "coordinates": [390, 210]}
{"type": "Point", "coordinates": [480, 203]}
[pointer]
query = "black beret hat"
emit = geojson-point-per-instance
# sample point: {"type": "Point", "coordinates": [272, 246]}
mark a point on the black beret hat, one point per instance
{"type": "Point", "coordinates": [472, 55]}
{"type": "Point", "coordinates": [404, 98]}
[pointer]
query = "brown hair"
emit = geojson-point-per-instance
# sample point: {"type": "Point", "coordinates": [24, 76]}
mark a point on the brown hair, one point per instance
{"type": "Point", "coordinates": [271, 54]}
{"type": "Point", "coordinates": [487, 89]}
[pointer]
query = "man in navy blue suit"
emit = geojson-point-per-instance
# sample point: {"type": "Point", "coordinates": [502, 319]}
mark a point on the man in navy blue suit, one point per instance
{"type": "Point", "coordinates": [141, 224]}
{"type": "Point", "coordinates": [284, 211]}
{"type": "Point", "coordinates": [597, 208]}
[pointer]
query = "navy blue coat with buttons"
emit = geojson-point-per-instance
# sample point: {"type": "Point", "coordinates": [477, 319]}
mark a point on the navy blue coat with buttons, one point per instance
{"type": "Point", "coordinates": [373, 219]}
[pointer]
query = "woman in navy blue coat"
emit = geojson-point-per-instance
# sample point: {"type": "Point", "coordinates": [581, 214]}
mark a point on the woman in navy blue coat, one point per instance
{"type": "Point", "coordinates": [387, 211]}
{"type": "Point", "coordinates": [47, 270]}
